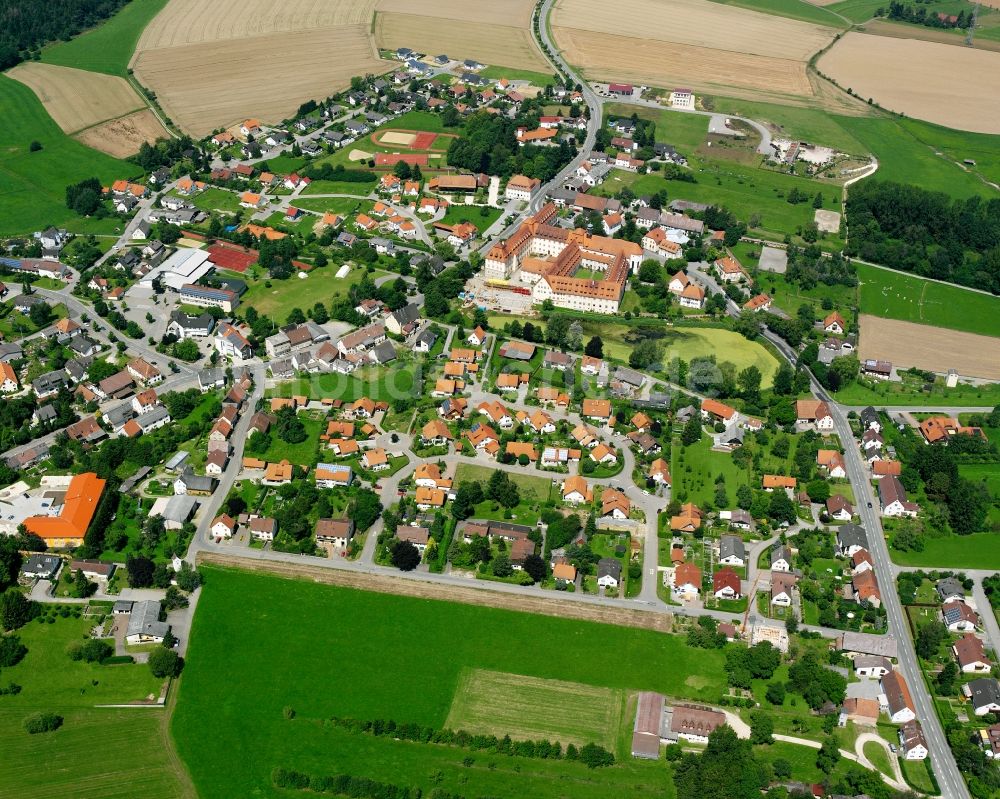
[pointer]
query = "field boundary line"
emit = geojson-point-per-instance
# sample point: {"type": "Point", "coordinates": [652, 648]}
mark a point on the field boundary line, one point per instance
{"type": "Point", "coordinates": [109, 119]}
{"type": "Point", "coordinates": [921, 277]}
{"type": "Point", "coordinates": [426, 589]}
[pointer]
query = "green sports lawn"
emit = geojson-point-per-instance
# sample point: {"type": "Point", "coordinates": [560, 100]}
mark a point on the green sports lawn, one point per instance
{"type": "Point", "coordinates": [375, 382]}
{"type": "Point", "coordinates": [278, 299]}
{"type": "Point", "coordinates": [108, 47]}
{"type": "Point", "coordinates": [107, 752]}
{"type": "Point", "coordinates": [323, 650]}
{"type": "Point", "coordinates": [897, 295]}
{"type": "Point", "coordinates": [32, 185]}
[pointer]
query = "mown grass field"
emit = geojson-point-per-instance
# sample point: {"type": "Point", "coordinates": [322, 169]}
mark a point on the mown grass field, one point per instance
{"type": "Point", "coordinates": [498, 703]}
{"type": "Point", "coordinates": [696, 467]}
{"type": "Point", "coordinates": [325, 651]}
{"type": "Point", "coordinates": [892, 393]}
{"type": "Point", "coordinates": [278, 299]}
{"type": "Point", "coordinates": [896, 295]}
{"type": "Point", "coordinates": [103, 752]}
{"type": "Point", "coordinates": [471, 213]}
{"type": "Point", "coordinates": [536, 78]}
{"type": "Point", "coordinates": [108, 47]}
{"type": "Point", "coordinates": [527, 483]}
{"type": "Point", "coordinates": [378, 383]}
{"type": "Point", "coordinates": [32, 185]}
{"type": "Point", "coordinates": [300, 454]}
{"type": "Point", "coordinates": [976, 551]}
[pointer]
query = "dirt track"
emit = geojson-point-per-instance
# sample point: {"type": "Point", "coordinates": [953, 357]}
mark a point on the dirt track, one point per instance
{"type": "Point", "coordinates": [121, 137]}
{"type": "Point", "coordinates": [935, 348]}
{"type": "Point", "coordinates": [383, 584]}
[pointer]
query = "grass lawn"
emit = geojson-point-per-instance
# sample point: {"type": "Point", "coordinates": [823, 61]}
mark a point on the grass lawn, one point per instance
{"type": "Point", "coordinates": [278, 299]}
{"type": "Point", "coordinates": [879, 757]}
{"type": "Point", "coordinates": [32, 185]}
{"type": "Point", "coordinates": [473, 214]}
{"type": "Point", "coordinates": [536, 78]}
{"type": "Point", "coordinates": [378, 383]}
{"type": "Point", "coordinates": [214, 199]}
{"type": "Point", "coordinates": [975, 551]}
{"type": "Point", "coordinates": [695, 468]}
{"type": "Point", "coordinates": [788, 296]}
{"type": "Point", "coordinates": [338, 187]}
{"type": "Point", "coordinates": [906, 153]}
{"type": "Point", "coordinates": [108, 47]}
{"type": "Point", "coordinates": [880, 393]}
{"type": "Point", "coordinates": [674, 127]}
{"type": "Point", "coordinates": [301, 454]}
{"type": "Point", "coordinates": [337, 205]}
{"type": "Point", "coordinates": [82, 758]}
{"type": "Point", "coordinates": [687, 343]}
{"type": "Point", "coordinates": [919, 775]}
{"type": "Point", "coordinates": [420, 685]}
{"type": "Point", "coordinates": [895, 295]}
{"type": "Point", "coordinates": [528, 485]}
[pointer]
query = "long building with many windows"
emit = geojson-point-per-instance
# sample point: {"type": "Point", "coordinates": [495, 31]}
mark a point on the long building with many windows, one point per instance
{"type": "Point", "coordinates": [548, 258]}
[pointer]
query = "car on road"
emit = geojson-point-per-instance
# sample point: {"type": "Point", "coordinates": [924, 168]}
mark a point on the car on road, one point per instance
{"type": "Point", "coordinates": [869, 504]}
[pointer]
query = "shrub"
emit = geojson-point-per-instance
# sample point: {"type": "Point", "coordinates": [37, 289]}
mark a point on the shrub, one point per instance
{"type": "Point", "coordinates": [12, 651]}
{"type": "Point", "coordinates": [42, 722]}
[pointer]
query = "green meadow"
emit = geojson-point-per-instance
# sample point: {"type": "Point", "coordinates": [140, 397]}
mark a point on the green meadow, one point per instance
{"type": "Point", "coordinates": [793, 9]}
{"type": "Point", "coordinates": [323, 650]}
{"type": "Point", "coordinates": [108, 47]}
{"type": "Point", "coordinates": [32, 184]}
{"type": "Point", "coordinates": [99, 751]}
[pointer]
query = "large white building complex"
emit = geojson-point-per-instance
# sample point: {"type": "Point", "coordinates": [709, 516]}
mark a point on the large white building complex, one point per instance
{"type": "Point", "coordinates": [548, 259]}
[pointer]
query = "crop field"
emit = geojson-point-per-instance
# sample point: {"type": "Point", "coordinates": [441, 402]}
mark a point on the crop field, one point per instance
{"type": "Point", "coordinates": [459, 36]}
{"type": "Point", "coordinates": [77, 99]}
{"type": "Point", "coordinates": [940, 83]}
{"type": "Point", "coordinates": [694, 42]}
{"type": "Point", "coordinates": [208, 62]}
{"type": "Point", "coordinates": [122, 137]}
{"type": "Point", "coordinates": [896, 295]}
{"type": "Point", "coordinates": [933, 348]}
{"type": "Point", "coordinates": [497, 703]}
{"type": "Point", "coordinates": [98, 751]}
{"type": "Point", "coordinates": [405, 657]}
{"type": "Point", "coordinates": [793, 9]}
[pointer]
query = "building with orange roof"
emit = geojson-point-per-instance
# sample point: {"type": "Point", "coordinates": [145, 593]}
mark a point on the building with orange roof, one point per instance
{"type": "Point", "coordinates": [761, 302]}
{"type": "Point", "coordinates": [597, 409]}
{"type": "Point", "coordinates": [518, 448]}
{"type": "Point", "coordinates": [713, 409]}
{"type": "Point", "coordinates": [277, 473]}
{"type": "Point", "coordinates": [8, 379]}
{"type": "Point", "coordinates": [688, 520]}
{"type": "Point", "coordinates": [79, 506]}
{"type": "Point", "coordinates": [729, 269]}
{"type": "Point", "coordinates": [773, 481]}
{"type": "Point", "coordinates": [576, 490]}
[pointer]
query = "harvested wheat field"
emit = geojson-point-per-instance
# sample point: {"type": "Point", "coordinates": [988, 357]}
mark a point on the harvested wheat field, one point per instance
{"type": "Point", "coordinates": [653, 63]}
{"type": "Point", "coordinates": [503, 45]}
{"type": "Point", "coordinates": [884, 27]}
{"type": "Point", "coordinates": [121, 137]}
{"type": "Point", "coordinates": [934, 348]}
{"type": "Point", "coordinates": [952, 86]}
{"type": "Point", "coordinates": [708, 46]}
{"type": "Point", "coordinates": [698, 23]}
{"type": "Point", "coordinates": [77, 99]}
{"type": "Point", "coordinates": [213, 64]}
{"type": "Point", "coordinates": [514, 13]}
{"type": "Point", "coordinates": [193, 21]}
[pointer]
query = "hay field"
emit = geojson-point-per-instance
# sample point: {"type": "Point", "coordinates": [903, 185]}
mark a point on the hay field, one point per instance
{"type": "Point", "coordinates": [122, 137]}
{"type": "Point", "coordinates": [77, 99]}
{"type": "Point", "coordinates": [214, 64]}
{"type": "Point", "coordinates": [934, 348]}
{"type": "Point", "coordinates": [896, 30]}
{"type": "Point", "coordinates": [497, 703]}
{"type": "Point", "coordinates": [513, 13]}
{"type": "Point", "coordinates": [713, 48]}
{"type": "Point", "coordinates": [501, 45]}
{"type": "Point", "coordinates": [193, 21]}
{"type": "Point", "coordinates": [952, 86]}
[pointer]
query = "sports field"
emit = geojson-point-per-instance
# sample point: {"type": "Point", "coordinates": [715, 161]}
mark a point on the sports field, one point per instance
{"type": "Point", "coordinates": [107, 752]}
{"type": "Point", "coordinates": [933, 85]}
{"type": "Point", "coordinates": [896, 295]}
{"type": "Point", "coordinates": [496, 703]}
{"type": "Point", "coordinates": [323, 651]}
